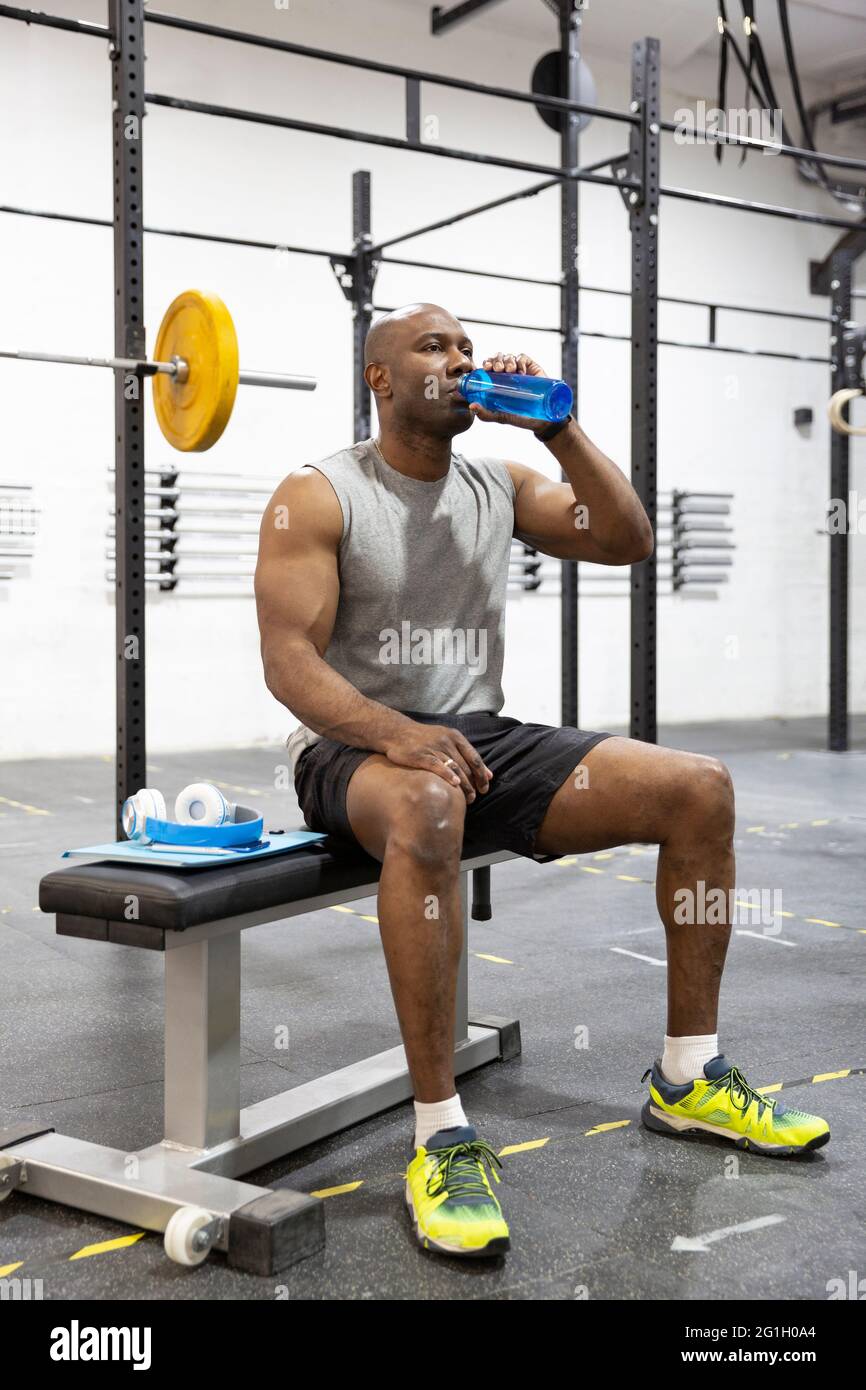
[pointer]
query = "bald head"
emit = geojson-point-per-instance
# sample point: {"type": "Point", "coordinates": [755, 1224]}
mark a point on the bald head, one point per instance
{"type": "Point", "coordinates": [413, 359]}
{"type": "Point", "coordinates": [391, 334]}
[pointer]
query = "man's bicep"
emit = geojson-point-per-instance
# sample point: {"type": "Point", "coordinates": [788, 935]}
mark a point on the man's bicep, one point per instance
{"type": "Point", "coordinates": [297, 593]}
{"type": "Point", "coordinates": [548, 517]}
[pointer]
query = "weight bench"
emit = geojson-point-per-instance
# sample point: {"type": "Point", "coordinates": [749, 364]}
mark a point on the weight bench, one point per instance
{"type": "Point", "coordinates": [187, 1184]}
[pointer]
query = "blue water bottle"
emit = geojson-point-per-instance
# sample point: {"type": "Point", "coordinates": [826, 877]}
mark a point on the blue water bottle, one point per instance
{"type": "Point", "coordinates": [516, 393]}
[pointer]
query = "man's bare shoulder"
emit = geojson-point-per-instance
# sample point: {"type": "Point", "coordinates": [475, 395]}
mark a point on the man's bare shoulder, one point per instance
{"type": "Point", "coordinates": [310, 502]}
{"type": "Point", "coordinates": [310, 478]}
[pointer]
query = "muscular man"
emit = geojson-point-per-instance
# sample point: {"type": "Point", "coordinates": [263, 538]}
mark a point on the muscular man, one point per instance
{"type": "Point", "coordinates": [381, 586]}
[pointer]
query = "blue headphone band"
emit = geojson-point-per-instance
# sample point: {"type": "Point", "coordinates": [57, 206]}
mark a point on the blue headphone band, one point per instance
{"type": "Point", "coordinates": [245, 829]}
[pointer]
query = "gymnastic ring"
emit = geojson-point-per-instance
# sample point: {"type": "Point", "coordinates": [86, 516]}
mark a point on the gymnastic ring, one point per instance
{"type": "Point", "coordinates": [835, 407]}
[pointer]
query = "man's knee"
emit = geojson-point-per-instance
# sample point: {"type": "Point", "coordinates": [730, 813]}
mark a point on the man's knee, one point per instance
{"type": "Point", "coordinates": [710, 795]}
{"type": "Point", "coordinates": [427, 818]}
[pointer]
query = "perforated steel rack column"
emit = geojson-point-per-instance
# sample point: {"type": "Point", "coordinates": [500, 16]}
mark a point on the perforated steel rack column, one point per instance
{"type": "Point", "coordinates": [643, 163]}
{"type": "Point", "coordinates": [363, 277]}
{"type": "Point", "coordinates": [841, 266]}
{"type": "Point", "coordinates": [569, 35]}
{"type": "Point", "coordinates": [126, 20]}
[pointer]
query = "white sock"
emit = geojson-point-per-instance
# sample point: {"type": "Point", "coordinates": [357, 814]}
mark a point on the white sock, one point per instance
{"type": "Point", "coordinates": [684, 1058]}
{"type": "Point", "coordinates": [434, 1115]}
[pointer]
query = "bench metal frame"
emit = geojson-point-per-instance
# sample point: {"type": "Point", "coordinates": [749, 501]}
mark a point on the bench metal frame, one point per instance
{"type": "Point", "coordinates": [209, 1141]}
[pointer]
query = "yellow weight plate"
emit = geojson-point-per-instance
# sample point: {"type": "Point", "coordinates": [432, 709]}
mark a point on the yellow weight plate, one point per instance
{"type": "Point", "coordinates": [192, 414]}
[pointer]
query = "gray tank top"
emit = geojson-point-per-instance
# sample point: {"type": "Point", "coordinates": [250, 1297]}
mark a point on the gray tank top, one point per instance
{"type": "Point", "coordinates": [423, 569]}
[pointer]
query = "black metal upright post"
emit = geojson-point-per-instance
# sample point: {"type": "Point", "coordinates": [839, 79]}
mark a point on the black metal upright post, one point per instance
{"type": "Point", "coordinates": [569, 37]}
{"type": "Point", "coordinates": [361, 293]}
{"type": "Point", "coordinates": [126, 20]}
{"type": "Point", "coordinates": [643, 164]}
{"type": "Point", "coordinates": [841, 266]}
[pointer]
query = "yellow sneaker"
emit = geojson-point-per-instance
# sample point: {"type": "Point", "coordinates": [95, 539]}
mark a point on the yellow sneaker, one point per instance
{"type": "Point", "coordinates": [450, 1200]}
{"type": "Point", "coordinates": [725, 1104]}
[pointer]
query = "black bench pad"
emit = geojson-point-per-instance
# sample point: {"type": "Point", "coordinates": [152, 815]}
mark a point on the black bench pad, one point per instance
{"type": "Point", "coordinates": [172, 899]}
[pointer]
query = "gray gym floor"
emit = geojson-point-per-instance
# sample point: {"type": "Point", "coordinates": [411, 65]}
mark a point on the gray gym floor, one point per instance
{"type": "Point", "coordinates": [594, 1201]}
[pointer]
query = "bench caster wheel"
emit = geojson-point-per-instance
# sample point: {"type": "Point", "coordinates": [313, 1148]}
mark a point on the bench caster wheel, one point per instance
{"type": "Point", "coordinates": [189, 1235]}
{"type": "Point", "coordinates": [9, 1177]}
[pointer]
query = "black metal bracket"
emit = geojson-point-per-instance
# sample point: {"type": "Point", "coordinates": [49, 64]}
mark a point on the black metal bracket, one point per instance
{"type": "Point", "coordinates": [621, 169]}
{"type": "Point", "coordinates": [852, 243]}
{"type": "Point", "coordinates": [354, 270]}
{"type": "Point", "coordinates": [344, 270]}
{"type": "Point", "coordinates": [442, 19]}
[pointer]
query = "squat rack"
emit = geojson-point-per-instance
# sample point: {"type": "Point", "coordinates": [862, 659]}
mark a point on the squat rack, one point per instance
{"type": "Point", "coordinates": [636, 175]}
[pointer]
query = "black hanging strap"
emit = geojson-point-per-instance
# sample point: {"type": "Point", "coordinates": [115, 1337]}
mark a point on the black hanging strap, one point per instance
{"type": "Point", "coordinates": [807, 138]}
{"type": "Point", "coordinates": [763, 86]}
{"type": "Point", "coordinates": [722, 95]}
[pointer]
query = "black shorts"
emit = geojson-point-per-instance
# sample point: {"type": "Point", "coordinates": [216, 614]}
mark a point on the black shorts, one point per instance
{"type": "Point", "coordinates": [529, 763]}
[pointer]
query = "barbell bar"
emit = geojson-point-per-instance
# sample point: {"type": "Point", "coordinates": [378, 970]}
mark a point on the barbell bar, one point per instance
{"type": "Point", "coordinates": [178, 369]}
{"type": "Point", "coordinates": [195, 370]}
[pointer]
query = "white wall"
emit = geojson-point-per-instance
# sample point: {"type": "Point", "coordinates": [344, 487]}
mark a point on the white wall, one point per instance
{"type": "Point", "coordinates": [725, 421]}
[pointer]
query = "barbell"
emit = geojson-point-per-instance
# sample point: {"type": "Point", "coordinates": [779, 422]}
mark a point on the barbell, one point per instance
{"type": "Point", "coordinates": [195, 369]}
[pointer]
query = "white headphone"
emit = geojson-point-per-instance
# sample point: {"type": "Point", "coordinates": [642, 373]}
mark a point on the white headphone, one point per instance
{"type": "Point", "coordinates": [200, 804]}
